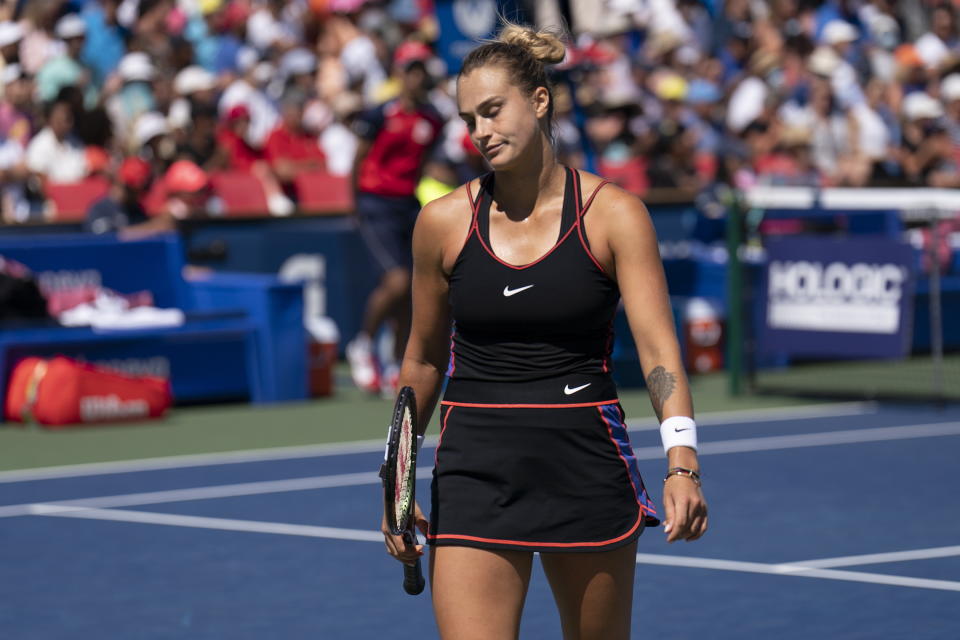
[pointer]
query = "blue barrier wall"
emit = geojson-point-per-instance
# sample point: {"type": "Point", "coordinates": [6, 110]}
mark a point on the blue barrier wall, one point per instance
{"type": "Point", "coordinates": [243, 338]}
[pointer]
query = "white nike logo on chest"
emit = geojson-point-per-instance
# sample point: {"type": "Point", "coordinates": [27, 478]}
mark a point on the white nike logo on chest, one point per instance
{"type": "Point", "coordinates": [567, 390]}
{"type": "Point", "coordinates": [507, 291]}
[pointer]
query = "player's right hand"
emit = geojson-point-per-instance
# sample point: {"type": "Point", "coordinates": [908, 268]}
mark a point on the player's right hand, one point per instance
{"type": "Point", "coordinates": [397, 546]}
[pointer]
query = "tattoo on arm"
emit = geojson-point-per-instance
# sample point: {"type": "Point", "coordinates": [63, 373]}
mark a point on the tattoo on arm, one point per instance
{"type": "Point", "coordinates": [661, 384]}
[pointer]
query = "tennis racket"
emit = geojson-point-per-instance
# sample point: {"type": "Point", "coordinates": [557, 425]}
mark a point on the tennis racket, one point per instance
{"type": "Point", "coordinates": [399, 480]}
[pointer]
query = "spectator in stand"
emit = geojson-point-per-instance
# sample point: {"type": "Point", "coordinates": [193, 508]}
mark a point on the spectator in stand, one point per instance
{"type": "Point", "coordinates": [67, 69]}
{"type": "Point", "coordinates": [396, 139]}
{"type": "Point", "coordinates": [189, 192]}
{"type": "Point", "coordinates": [704, 120]}
{"type": "Point", "coordinates": [135, 95]}
{"type": "Point", "coordinates": [950, 95]}
{"type": "Point", "coordinates": [11, 34]}
{"type": "Point", "coordinates": [337, 141]}
{"type": "Point", "coordinates": [235, 152]}
{"type": "Point", "coordinates": [202, 142]}
{"type": "Point", "coordinates": [16, 106]}
{"type": "Point", "coordinates": [194, 88]}
{"type": "Point", "coordinates": [298, 71]}
{"type": "Point", "coordinates": [248, 90]}
{"type": "Point", "coordinates": [14, 205]}
{"type": "Point", "coordinates": [152, 141]}
{"type": "Point", "coordinates": [39, 42]}
{"type": "Point", "coordinates": [293, 147]}
{"type": "Point", "coordinates": [55, 154]}
{"type": "Point", "coordinates": [105, 44]}
{"type": "Point", "coordinates": [121, 209]}
{"type": "Point", "coordinates": [928, 156]}
{"type": "Point", "coordinates": [790, 163]}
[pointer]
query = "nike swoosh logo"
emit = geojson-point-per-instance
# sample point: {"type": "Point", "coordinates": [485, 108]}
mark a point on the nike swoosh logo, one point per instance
{"type": "Point", "coordinates": [679, 430]}
{"type": "Point", "coordinates": [567, 390]}
{"type": "Point", "coordinates": [507, 291]}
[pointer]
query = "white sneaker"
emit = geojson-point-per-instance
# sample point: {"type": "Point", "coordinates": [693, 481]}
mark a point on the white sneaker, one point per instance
{"type": "Point", "coordinates": [363, 366]}
{"type": "Point", "coordinates": [389, 380]}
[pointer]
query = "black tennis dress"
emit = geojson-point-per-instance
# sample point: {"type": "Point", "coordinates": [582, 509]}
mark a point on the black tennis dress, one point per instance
{"type": "Point", "coordinates": [533, 450]}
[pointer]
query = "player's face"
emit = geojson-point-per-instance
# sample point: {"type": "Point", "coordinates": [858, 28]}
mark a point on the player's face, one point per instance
{"type": "Point", "coordinates": [504, 122]}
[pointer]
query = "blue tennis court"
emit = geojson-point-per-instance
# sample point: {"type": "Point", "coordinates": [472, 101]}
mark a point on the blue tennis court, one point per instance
{"type": "Point", "coordinates": [831, 521]}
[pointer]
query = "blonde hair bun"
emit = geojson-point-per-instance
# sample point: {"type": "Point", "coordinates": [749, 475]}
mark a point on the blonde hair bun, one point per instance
{"type": "Point", "coordinates": [545, 46]}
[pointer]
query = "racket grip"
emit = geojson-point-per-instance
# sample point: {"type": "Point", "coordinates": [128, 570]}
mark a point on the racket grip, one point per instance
{"type": "Point", "coordinates": [413, 578]}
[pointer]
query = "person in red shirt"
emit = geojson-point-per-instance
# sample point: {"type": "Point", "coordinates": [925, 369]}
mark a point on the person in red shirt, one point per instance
{"type": "Point", "coordinates": [231, 138]}
{"type": "Point", "coordinates": [235, 153]}
{"type": "Point", "coordinates": [395, 141]}
{"type": "Point", "coordinates": [293, 147]}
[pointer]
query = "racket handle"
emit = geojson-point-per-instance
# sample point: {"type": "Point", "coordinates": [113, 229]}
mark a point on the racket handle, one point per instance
{"type": "Point", "coordinates": [413, 578]}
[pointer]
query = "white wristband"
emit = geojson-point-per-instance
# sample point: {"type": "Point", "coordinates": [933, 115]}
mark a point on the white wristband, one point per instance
{"type": "Point", "coordinates": [678, 431]}
{"type": "Point", "coordinates": [386, 447]}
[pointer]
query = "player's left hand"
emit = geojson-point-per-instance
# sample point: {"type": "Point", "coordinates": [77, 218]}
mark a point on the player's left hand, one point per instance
{"type": "Point", "coordinates": [686, 509]}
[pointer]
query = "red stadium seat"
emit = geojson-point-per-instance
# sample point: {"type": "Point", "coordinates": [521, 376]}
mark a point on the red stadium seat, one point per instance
{"type": "Point", "coordinates": [72, 199]}
{"type": "Point", "coordinates": [241, 192]}
{"type": "Point", "coordinates": [630, 175]}
{"type": "Point", "coordinates": [320, 192]}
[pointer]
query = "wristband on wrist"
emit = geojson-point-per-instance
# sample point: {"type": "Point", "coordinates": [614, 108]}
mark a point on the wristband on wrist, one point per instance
{"type": "Point", "coordinates": [682, 471]}
{"type": "Point", "coordinates": [678, 431]}
{"type": "Point", "coordinates": [386, 447]}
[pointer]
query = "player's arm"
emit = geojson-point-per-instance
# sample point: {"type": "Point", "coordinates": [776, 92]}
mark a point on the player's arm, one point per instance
{"type": "Point", "coordinates": [635, 261]}
{"type": "Point", "coordinates": [428, 347]}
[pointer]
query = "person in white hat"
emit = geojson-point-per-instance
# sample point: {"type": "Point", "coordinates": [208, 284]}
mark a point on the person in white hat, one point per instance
{"type": "Point", "coordinates": [130, 92]}
{"type": "Point", "coordinates": [248, 90]}
{"type": "Point", "coordinates": [927, 151]}
{"type": "Point", "coordinates": [16, 106]}
{"type": "Point", "coordinates": [838, 37]}
{"type": "Point", "coordinates": [68, 69]}
{"type": "Point", "coordinates": [194, 87]}
{"type": "Point", "coordinates": [11, 33]}
{"type": "Point", "coordinates": [950, 97]}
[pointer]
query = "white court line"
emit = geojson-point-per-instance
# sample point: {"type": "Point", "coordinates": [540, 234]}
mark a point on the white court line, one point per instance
{"type": "Point", "coordinates": [795, 570]}
{"type": "Point", "coordinates": [207, 493]}
{"type": "Point", "coordinates": [735, 417]}
{"type": "Point", "coordinates": [879, 558]}
{"type": "Point", "coordinates": [225, 524]}
{"type": "Point", "coordinates": [254, 526]}
{"type": "Point", "coordinates": [369, 446]}
{"type": "Point", "coordinates": [353, 479]}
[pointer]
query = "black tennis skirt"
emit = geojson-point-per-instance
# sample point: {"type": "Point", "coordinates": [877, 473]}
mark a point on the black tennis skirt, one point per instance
{"type": "Point", "coordinates": [544, 478]}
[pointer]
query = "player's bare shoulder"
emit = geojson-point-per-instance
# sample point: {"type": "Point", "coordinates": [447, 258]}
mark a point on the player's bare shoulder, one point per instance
{"type": "Point", "coordinates": [614, 212]}
{"type": "Point", "coordinates": [443, 224]}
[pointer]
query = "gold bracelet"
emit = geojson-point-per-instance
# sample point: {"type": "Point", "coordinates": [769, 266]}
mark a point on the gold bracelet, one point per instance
{"type": "Point", "coordinates": [682, 471]}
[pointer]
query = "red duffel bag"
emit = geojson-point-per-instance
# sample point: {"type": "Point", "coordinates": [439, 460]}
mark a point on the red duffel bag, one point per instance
{"type": "Point", "coordinates": [62, 391]}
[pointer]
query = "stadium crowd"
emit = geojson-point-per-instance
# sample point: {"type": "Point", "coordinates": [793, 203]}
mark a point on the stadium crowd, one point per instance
{"type": "Point", "coordinates": [675, 94]}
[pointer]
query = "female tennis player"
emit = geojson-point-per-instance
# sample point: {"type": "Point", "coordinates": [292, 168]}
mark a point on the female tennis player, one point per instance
{"type": "Point", "coordinates": [529, 262]}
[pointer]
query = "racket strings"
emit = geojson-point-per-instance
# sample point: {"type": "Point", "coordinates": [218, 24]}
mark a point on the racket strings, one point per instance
{"type": "Point", "coordinates": [403, 482]}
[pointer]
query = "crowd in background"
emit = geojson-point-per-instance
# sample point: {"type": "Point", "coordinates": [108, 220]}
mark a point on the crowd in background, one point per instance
{"type": "Point", "coordinates": [680, 94]}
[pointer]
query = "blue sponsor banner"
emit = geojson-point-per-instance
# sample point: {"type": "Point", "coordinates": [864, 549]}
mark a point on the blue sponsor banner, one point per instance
{"type": "Point", "coordinates": [464, 22]}
{"type": "Point", "coordinates": [822, 297]}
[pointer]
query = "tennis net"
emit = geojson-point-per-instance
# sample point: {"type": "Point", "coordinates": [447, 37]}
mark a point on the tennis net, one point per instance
{"type": "Point", "coordinates": [845, 293]}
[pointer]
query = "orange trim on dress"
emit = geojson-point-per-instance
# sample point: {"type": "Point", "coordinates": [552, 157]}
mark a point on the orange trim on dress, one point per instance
{"type": "Point", "coordinates": [524, 543]}
{"type": "Point", "coordinates": [482, 405]}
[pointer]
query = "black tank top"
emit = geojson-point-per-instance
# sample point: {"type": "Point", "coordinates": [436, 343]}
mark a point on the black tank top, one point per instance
{"type": "Point", "coordinates": [539, 333]}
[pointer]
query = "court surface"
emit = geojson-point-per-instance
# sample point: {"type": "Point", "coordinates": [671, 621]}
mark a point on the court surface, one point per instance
{"type": "Point", "coordinates": [827, 521]}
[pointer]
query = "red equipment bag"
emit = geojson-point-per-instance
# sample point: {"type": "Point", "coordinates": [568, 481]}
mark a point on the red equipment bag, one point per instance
{"type": "Point", "coordinates": [62, 391]}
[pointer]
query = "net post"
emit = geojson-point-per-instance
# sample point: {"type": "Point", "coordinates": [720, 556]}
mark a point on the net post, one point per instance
{"type": "Point", "coordinates": [735, 314]}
